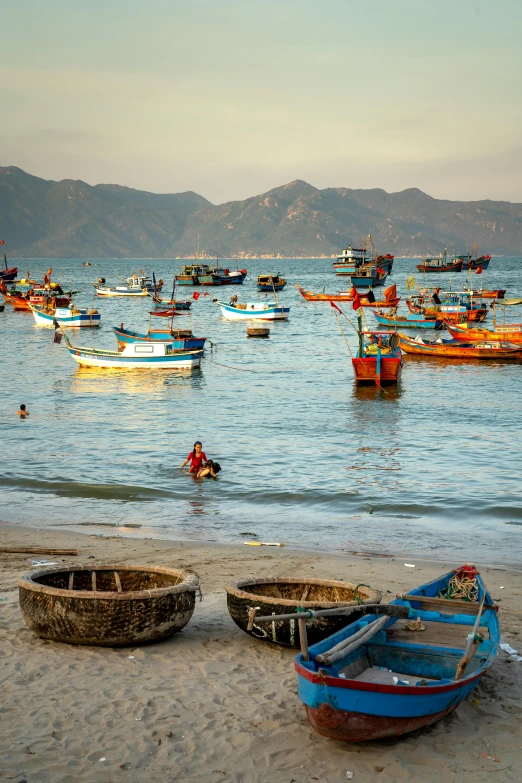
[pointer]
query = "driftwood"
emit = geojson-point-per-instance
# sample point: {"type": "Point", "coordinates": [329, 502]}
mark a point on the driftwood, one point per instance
{"type": "Point", "coordinates": [37, 550]}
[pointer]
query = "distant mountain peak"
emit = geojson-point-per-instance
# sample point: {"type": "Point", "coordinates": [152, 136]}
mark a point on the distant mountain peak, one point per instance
{"type": "Point", "coordinates": [71, 219]}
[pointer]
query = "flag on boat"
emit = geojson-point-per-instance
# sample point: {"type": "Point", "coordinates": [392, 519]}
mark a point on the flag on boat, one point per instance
{"type": "Point", "coordinates": [57, 337]}
{"type": "Point", "coordinates": [196, 295]}
{"type": "Point", "coordinates": [2, 241]}
{"type": "Point", "coordinates": [389, 293]}
{"type": "Point", "coordinates": [355, 298]}
{"type": "Point", "coordinates": [335, 307]}
{"type": "Point", "coordinates": [50, 270]}
{"type": "Point", "coordinates": [479, 270]}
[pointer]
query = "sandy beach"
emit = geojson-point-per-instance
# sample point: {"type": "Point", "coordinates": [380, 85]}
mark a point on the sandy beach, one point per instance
{"type": "Point", "coordinates": [212, 704]}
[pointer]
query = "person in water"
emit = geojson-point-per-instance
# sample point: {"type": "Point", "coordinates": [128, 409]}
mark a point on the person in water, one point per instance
{"type": "Point", "coordinates": [210, 468]}
{"type": "Point", "coordinates": [196, 458]}
{"type": "Point", "coordinates": [23, 412]}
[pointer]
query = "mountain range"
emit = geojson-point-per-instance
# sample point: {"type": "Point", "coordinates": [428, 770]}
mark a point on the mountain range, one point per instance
{"type": "Point", "coordinates": [71, 219]}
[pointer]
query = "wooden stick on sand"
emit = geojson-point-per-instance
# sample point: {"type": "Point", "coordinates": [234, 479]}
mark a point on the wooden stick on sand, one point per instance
{"type": "Point", "coordinates": [37, 550]}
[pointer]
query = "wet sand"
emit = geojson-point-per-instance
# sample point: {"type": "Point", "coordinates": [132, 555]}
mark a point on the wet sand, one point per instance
{"type": "Point", "coordinates": [211, 704]}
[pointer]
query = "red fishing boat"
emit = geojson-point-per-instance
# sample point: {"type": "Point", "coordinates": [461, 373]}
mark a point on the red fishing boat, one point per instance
{"type": "Point", "coordinates": [440, 264]}
{"type": "Point", "coordinates": [379, 358]}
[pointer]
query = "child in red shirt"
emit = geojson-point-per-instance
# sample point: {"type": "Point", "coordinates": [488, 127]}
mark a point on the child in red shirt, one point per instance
{"type": "Point", "coordinates": [196, 458]}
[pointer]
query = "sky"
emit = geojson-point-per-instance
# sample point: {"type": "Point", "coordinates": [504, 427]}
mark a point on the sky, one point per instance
{"type": "Point", "coordinates": [230, 98]}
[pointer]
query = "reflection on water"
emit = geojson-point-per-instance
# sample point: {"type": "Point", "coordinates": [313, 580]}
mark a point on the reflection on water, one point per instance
{"type": "Point", "coordinates": [307, 456]}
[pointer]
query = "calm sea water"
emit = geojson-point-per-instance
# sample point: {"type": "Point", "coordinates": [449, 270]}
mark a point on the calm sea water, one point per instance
{"type": "Point", "coordinates": [431, 467]}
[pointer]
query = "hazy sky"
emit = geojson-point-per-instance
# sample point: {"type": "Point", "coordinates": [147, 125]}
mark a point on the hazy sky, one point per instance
{"type": "Point", "coordinates": [232, 97]}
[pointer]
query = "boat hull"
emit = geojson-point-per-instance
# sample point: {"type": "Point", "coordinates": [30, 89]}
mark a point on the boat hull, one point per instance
{"type": "Point", "coordinates": [81, 320]}
{"type": "Point", "coordinates": [365, 369]}
{"type": "Point", "coordinates": [346, 296]}
{"type": "Point", "coordinates": [474, 334]}
{"type": "Point", "coordinates": [459, 351]}
{"type": "Point", "coordinates": [124, 291]}
{"type": "Point", "coordinates": [8, 275]}
{"type": "Point", "coordinates": [387, 712]}
{"type": "Point", "coordinates": [112, 360]}
{"type": "Point", "coordinates": [441, 268]}
{"type": "Point", "coordinates": [277, 313]}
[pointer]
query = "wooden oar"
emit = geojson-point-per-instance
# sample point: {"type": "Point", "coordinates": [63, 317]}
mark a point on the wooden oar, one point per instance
{"type": "Point", "coordinates": [474, 639]}
{"type": "Point", "coordinates": [37, 550]}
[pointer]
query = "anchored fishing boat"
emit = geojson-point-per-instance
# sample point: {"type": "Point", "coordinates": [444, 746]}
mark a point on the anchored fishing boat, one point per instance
{"type": "Point", "coordinates": [181, 339]}
{"type": "Point", "coordinates": [440, 264]}
{"type": "Point", "coordinates": [137, 355]}
{"type": "Point", "coordinates": [472, 260]}
{"type": "Point", "coordinates": [352, 258]}
{"type": "Point", "coordinates": [9, 273]}
{"type": "Point", "coordinates": [262, 311]}
{"type": "Point", "coordinates": [403, 666]}
{"type": "Point", "coordinates": [49, 315]}
{"type": "Point", "coordinates": [408, 320]}
{"type": "Point", "coordinates": [137, 285]}
{"type": "Point", "coordinates": [457, 349]}
{"type": "Point", "coordinates": [366, 300]}
{"type": "Point", "coordinates": [203, 274]}
{"type": "Point", "coordinates": [369, 276]}
{"type": "Point", "coordinates": [378, 359]}
{"type": "Point", "coordinates": [270, 283]}
{"type": "Point", "coordinates": [510, 332]}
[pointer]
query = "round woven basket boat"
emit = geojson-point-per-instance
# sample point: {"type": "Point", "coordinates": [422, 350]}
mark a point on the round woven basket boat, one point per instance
{"type": "Point", "coordinates": [108, 605]}
{"type": "Point", "coordinates": [282, 595]}
{"type": "Point", "coordinates": [256, 331]}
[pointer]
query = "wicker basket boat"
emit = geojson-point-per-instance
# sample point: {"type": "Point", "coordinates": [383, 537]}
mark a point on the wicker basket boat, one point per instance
{"type": "Point", "coordinates": [281, 595]}
{"type": "Point", "coordinates": [257, 331]}
{"type": "Point", "coordinates": [108, 605]}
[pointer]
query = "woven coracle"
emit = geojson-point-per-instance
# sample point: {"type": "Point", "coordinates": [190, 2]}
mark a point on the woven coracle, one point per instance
{"type": "Point", "coordinates": [130, 604]}
{"type": "Point", "coordinates": [282, 595]}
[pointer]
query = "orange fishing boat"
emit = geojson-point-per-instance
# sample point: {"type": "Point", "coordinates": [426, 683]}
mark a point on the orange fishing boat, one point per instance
{"type": "Point", "coordinates": [510, 332]}
{"type": "Point", "coordinates": [457, 349]}
{"type": "Point", "coordinates": [390, 297]}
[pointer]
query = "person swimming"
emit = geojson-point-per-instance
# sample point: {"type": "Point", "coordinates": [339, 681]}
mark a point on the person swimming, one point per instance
{"type": "Point", "coordinates": [23, 412]}
{"type": "Point", "coordinates": [209, 469]}
{"type": "Point", "coordinates": [196, 458]}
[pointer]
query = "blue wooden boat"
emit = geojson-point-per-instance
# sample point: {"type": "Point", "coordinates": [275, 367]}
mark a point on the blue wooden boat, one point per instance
{"type": "Point", "coordinates": [270, 283]}
{"type": "Point", "coordinates": [181, 339]}
{"type": "Point", "coordinates": [369, 276]}
{"type": "Point", "coordinates": [378, 679]}
{"type": "Point", "coordinates": [408, 320]}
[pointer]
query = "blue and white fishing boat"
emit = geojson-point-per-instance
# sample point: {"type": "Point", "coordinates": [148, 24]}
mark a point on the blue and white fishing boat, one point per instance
{"type": "Point", "coordinates": [65, 316]}
{"type": "Point", "coordinates": [139, 355]}
{"type": "Point", "coordinates": [382, 677]}
{"type": "Point", "coordinates": [258, 311]}
{"type": "Point", "coordinates": [137, 285]}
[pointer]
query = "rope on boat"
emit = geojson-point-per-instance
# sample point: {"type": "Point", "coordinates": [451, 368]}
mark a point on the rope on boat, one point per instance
{"type": "Point", "coordinates": [462, 587]}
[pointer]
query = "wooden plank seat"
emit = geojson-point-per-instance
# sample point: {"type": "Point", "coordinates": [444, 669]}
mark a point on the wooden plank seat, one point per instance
{"type": "Point", "coordinates": [437, 634]}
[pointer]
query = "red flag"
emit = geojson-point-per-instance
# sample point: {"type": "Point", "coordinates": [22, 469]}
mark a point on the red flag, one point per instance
{"type": "Point", "coordinates": [196, 295]}
{"type": "Point", "coordinates": [2, 241]}
{"type": "Point", "coordinates": [335, 306]}
{"type": "Point", "coordinates": [50, 270]}
{"type": "Point", "coordinates": [479, 270]}
{"type": "Point", "coordinates": [355, 298]}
